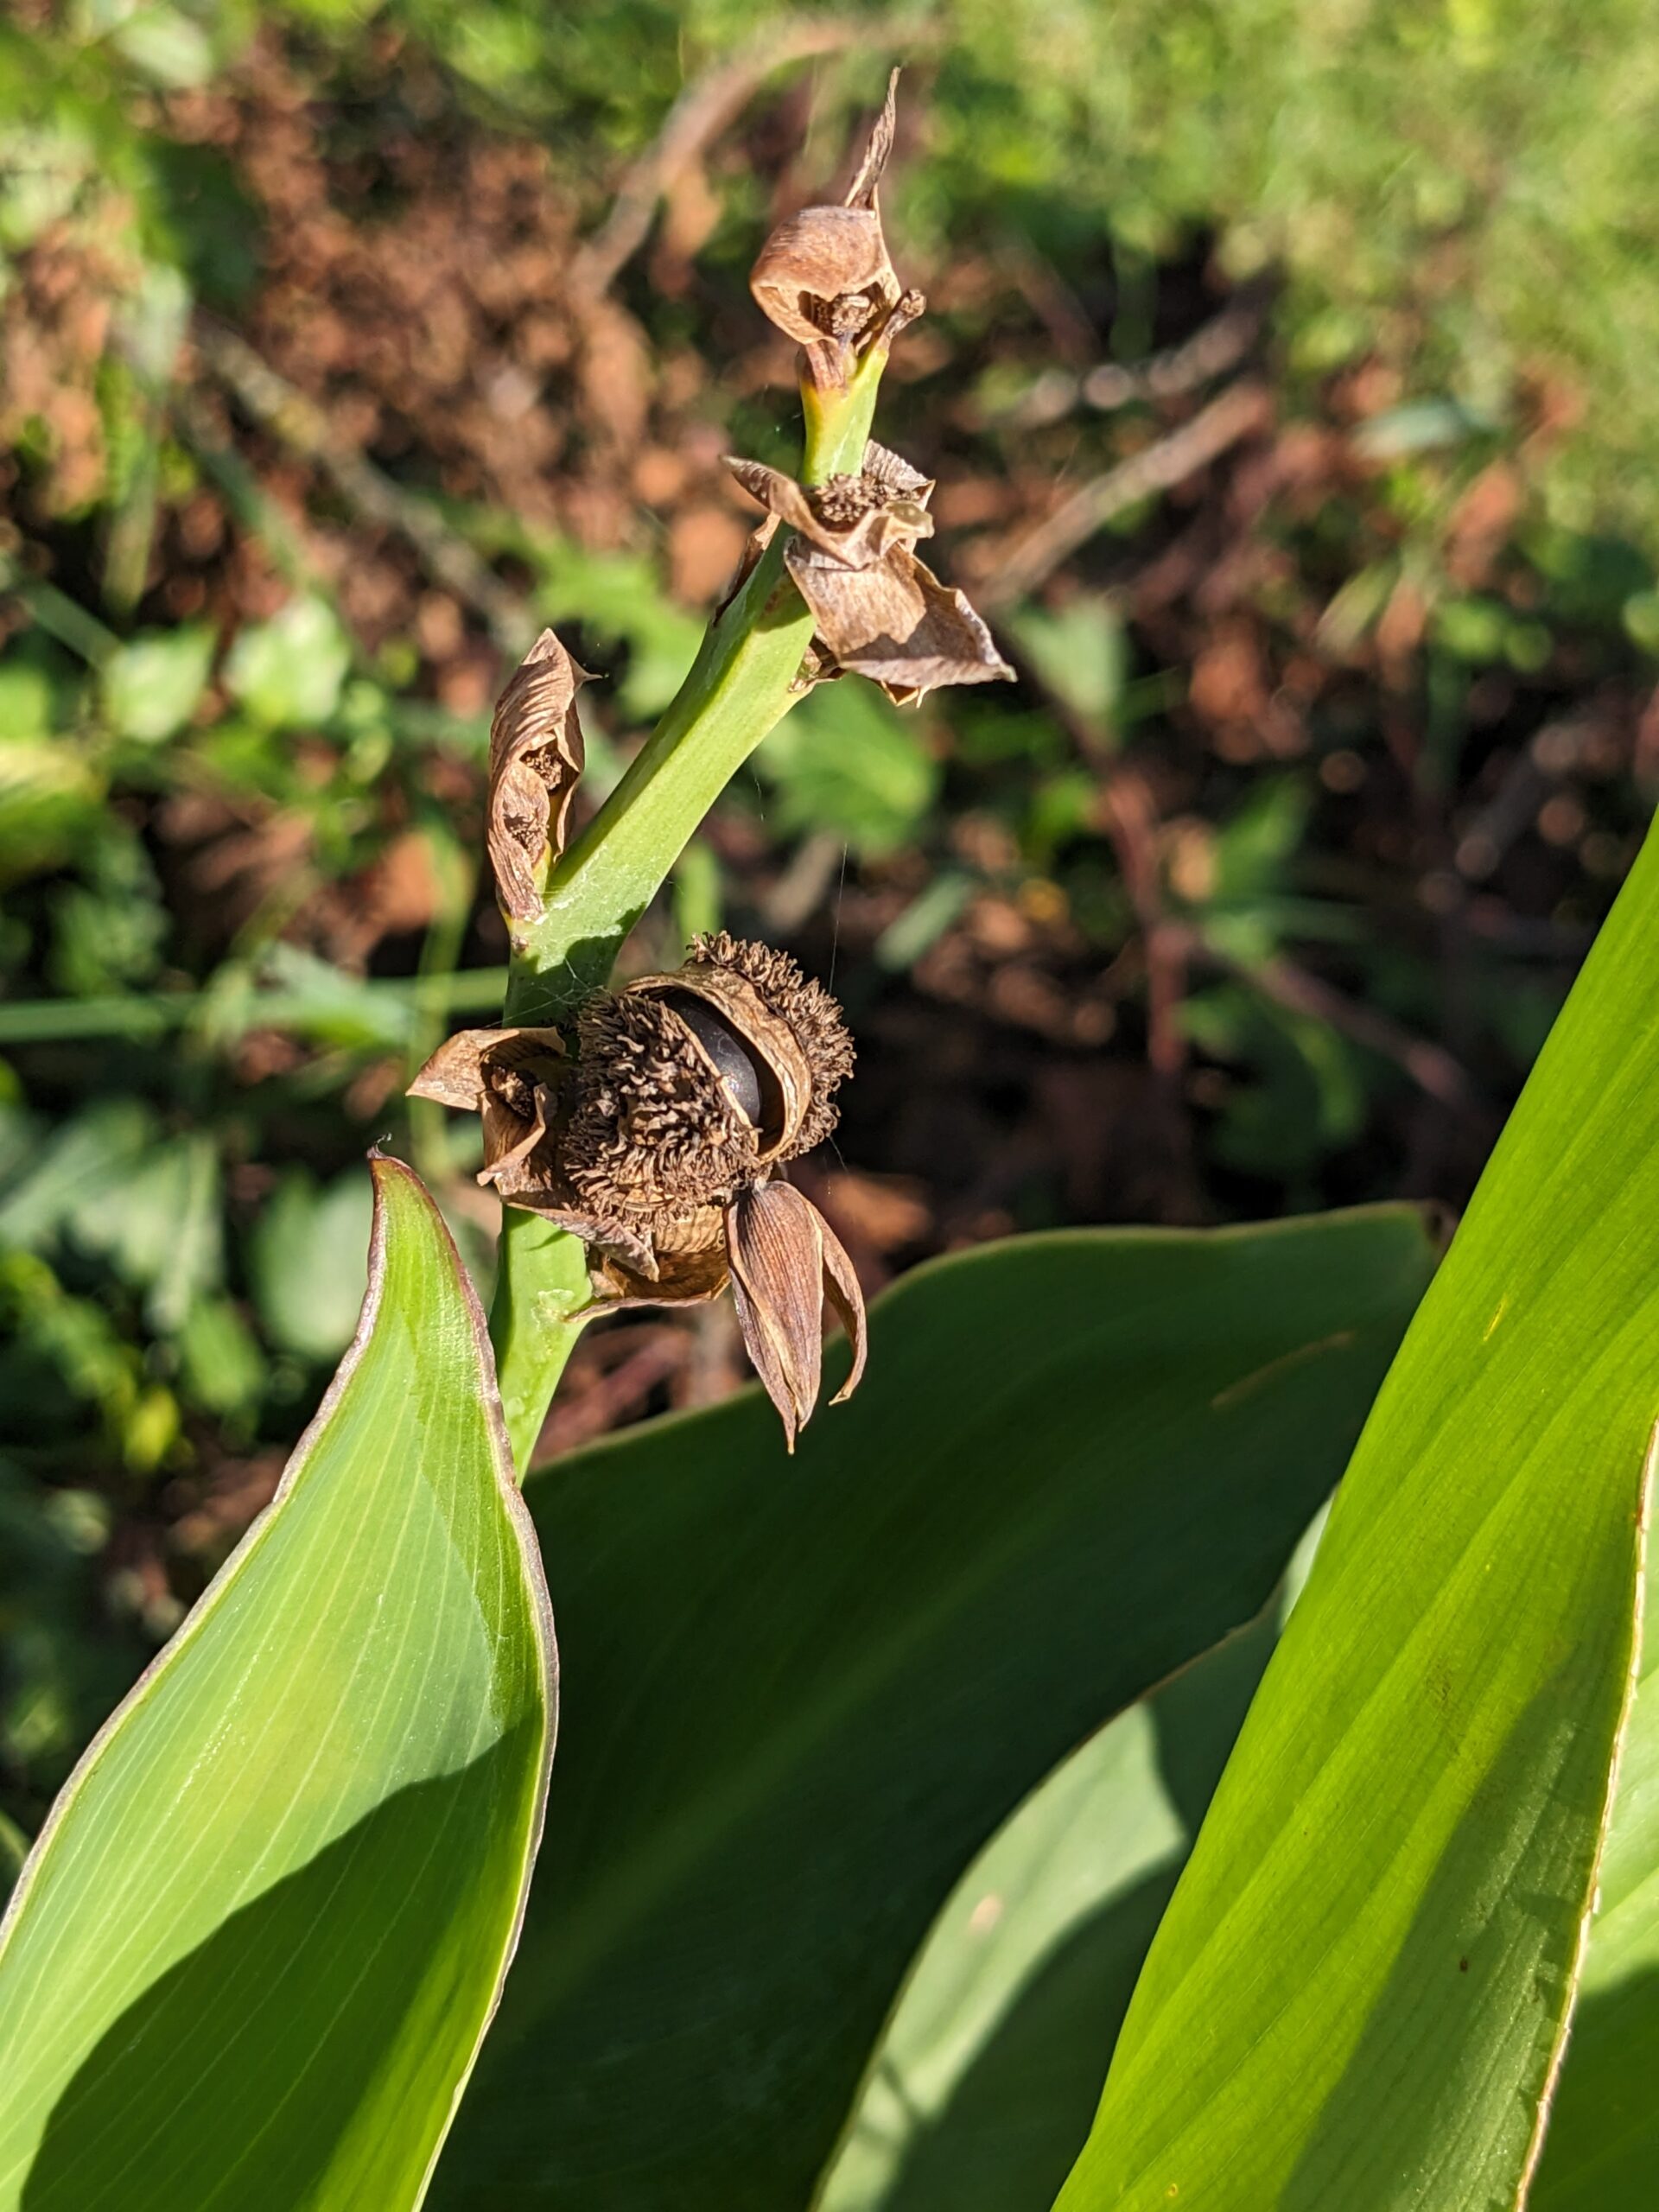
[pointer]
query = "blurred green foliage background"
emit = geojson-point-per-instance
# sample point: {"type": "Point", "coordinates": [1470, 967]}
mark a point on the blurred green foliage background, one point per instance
{"type": "Point", "coordinates": [1286, 383]}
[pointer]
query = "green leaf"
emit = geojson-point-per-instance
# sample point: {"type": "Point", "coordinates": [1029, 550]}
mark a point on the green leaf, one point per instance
{"type": "Point", "coordinates": [1604, 2136]}
{"type": "Point", "coordinates": [810, 1690]}
{"type": "Point", "coordinates": [980, 2094]}
{"type": "Point", "coordinates": [289, 671]}
{"type": "Point", "coordinates": [307, 1258]}
{"type": "Point", "coordinates": [152, 684]}
{"type": "Point", "coordinates": [253, 1953]}
{"type": "Point", "coordinates": [1081, 654]}
{"type": "Point", "coordinates": [847, 763]}
{"type": "Point", "coordinates": [1360, 1992]}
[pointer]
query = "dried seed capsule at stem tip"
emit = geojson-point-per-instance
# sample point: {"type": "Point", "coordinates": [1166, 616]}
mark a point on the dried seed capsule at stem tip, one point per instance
{"type": "Point", "coordinates": [879, 611]}
{"type": "Point", "coordinates": [826, 277]}
{"type": "Point", "coordinates": [659, 1144]}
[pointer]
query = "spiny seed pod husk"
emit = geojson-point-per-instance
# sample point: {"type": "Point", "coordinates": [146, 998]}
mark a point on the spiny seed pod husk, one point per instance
{"type": "Point", "coordinates": [694, 1085]}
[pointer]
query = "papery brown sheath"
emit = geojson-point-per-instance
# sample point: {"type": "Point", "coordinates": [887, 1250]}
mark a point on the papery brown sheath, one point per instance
{"type": "Point", "coordinates": [537, 757]}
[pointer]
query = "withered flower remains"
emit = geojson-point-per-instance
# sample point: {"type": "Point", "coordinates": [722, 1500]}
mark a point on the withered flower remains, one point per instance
{"type": "Point", "coordinates": [879, 611]}
{"type": "Point", "coordinates": [825, 276]}
{"type": "Point", "coordinates": [660, 1143]}
{"type": "Point", "coordinates": [536, 758]}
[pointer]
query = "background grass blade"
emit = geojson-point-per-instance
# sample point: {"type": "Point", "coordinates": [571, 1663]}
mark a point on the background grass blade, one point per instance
{"type": "Point", "coordinates": [251, 1960]}
{"type": "Point", "coordinates": [1375, 1940]}
{"type": "Point", "coordinates": [809, 1691]}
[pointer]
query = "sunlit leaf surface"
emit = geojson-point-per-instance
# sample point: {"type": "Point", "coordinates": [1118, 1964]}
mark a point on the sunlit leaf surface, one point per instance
{"type": "Point", "coordinates": [1359, 1993]}
{"type": "Point", "coordinates": [803, 1694]}
{"type": "Point", "coordinates": [251, 1960]}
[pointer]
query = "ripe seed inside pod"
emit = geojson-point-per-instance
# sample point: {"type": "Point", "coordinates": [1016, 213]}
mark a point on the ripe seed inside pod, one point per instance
{"type": "Point", "coordinates": [750, 1082]}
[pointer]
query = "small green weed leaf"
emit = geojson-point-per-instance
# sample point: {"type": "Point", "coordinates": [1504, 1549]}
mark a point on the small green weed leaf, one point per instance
{"type": "Point", "coordinates": [308, 1258]}
{"type": "Point", "coordinates": [253, 1953]}
{"type": "Point", "coordinates": [1081, 653]}
{"type": "Point", "coordinates": [151, 685]}
{"type": "Point", "coordinates": [812, 1689]}
{"type": "Point", "coordinates": [287, 672]}
{"type": "Point", "coordinates": [848, 764]}
{"type": "Point", "coordinates": [1360, 1992]}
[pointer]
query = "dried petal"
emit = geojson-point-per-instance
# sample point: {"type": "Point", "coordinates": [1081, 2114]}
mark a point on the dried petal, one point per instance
{"type": "Point", "coordinates": [853, 519]}
{"type": "Point", "coordinates": [895, 622]}
{"type": "Point", "coordinates": [825, 273]}
{"type": "Point", "coordinates": [845, 1293]}
{"type": "Point", "coordinates": [511, 1142]}
{"type": "Point", "coordinates": [776, 1240]}
{"type": "Point", "coordinates": [860, 193]}
{"type": "Point", "coordinates": [824, 276]}
{"type": "Point", "coordinates": [536, 758]}
{"type": "Point", "coordinates": [455, 1074]}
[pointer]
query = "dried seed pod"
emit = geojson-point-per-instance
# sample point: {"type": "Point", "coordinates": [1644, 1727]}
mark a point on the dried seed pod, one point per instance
{"type": "Point", "coordinates": [660, 1146]}
{"type": "Point", "coordinates": [536, 756]}
{"type": "Point", "coordinates": [692, 1084]}
{"type": "Point", "coordinates": [826, 277]}
{"type": "Point", "coordinates": [879, 611]}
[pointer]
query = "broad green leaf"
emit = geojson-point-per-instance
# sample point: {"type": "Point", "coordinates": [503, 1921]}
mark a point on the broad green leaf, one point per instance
{"type": "Point", "coordinates": [151, 685]}
{"type": "Point", "coordinates": [979, 2092]}
{"type": "Point", "coordinates": [812, 1690]}
{"type": "Point", "coordinates": [979, 2095]}
{"type": "Point", "coordinates": [1603, 2144]}
{"type": "Point", "coordinates": [250, 1960]}
{"type": "Point", "coordinates": [1359, 1993]}
{"type": "Point", "coordinates": [289, 671]}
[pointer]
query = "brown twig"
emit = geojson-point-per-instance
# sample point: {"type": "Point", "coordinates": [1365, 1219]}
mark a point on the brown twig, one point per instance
{"type": "Point", "coordinates": [1233, 413]}
{"type": "Point", "coordinates": [283, 409]}
{"type": "Point", "coordinates": [1431, 1067]}
{"type": "Point", "coordinates": [707, 106]}
{"type": "Point", "coordinates": [1217, 346]}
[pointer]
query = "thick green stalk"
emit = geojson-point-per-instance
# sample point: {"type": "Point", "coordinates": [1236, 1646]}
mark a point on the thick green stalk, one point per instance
{"type": "Point", "coordinates": [737, 692]}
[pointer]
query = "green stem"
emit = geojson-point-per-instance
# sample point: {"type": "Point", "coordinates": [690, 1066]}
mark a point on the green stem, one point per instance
{"type": "Point", "coordinates": [737, 692]}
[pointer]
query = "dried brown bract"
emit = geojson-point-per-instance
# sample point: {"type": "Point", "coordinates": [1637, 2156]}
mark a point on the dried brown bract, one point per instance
{"type": "Point", "coordinates": [787, 1261]}
{"type": "Point", "coordinates": [535, 758]}
{"type": "Point", "coordinates": [825, 276]}
{"type": "Point", "coordinates": [511, 1078]}
{"type": "Point", "coordinates": [660, 1145]}
{"type": "Point", "coordinates": [879, 611]}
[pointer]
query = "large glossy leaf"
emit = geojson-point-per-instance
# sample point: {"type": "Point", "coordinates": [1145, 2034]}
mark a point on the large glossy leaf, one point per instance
{"type": "Point", "coordinates": [1603, 2145]}
{"type": "Point", "coordinates": [981, 2090]}
{"type": "Point", "coordinates": [250, 1960]}
{"type": "Point", "coordinates": [1359, 1993]}
{"type": "Point", "coordinates": [804, 1693]}
{"type": "Point", "coordinates": [980, 2094]}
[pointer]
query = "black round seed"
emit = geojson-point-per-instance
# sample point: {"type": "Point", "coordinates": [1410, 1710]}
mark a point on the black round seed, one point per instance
{"type": "Point", "coordinates": [725, 1048]}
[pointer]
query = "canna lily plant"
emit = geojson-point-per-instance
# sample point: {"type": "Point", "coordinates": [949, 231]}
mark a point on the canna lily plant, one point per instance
{"type": "Point", "coordinates": [826, 1864]}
